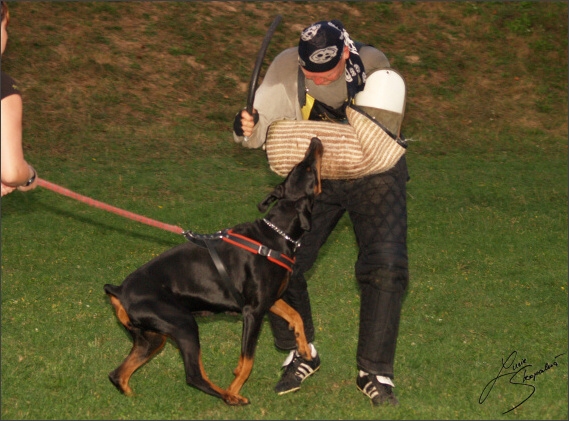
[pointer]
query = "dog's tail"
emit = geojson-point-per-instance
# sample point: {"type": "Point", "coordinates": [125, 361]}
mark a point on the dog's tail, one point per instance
{"type": "Point", "coordinates": [112, 290]}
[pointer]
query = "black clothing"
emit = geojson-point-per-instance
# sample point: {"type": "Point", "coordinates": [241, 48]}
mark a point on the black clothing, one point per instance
{"type": "Point", "coordinates": [9, 86]}
{"type": "Point", "coordinates": [376, 205]}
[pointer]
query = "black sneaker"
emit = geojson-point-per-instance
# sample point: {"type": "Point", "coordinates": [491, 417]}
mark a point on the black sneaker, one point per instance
{"type": "Point", "coordinates": [379, 393]}
{"type": "Point", "coordinates": [295, 372]}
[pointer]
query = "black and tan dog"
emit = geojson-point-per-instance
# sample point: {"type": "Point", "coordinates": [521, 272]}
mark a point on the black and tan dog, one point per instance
{"type": "Point", "coordinates": [243, 269]}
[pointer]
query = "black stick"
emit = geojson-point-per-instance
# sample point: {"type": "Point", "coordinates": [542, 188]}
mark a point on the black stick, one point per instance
{"type": "Point", "coordinates": [257, 69]}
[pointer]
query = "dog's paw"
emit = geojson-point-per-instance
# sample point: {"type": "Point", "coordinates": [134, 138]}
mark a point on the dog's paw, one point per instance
{"type": "Point", "coordinates": [235, 400]}
{"type": "Point", "coordinates": [121, 385]}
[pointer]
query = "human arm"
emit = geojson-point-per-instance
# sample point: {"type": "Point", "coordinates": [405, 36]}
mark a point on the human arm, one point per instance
{"type": "Point", "coordinates": [373, 59]}
{"type": "Point", "coordinates": [16, 172]}
{"type": "Point", "coordinates": [275, 99]}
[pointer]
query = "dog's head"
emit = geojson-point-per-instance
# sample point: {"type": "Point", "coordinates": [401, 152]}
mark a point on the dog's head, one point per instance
{"type": "Point", "coordinates": [301, 184]}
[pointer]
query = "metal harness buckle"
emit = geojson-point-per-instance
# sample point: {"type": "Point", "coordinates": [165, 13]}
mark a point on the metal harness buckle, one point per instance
{"type": "Point", "coordinates": [264, 250]}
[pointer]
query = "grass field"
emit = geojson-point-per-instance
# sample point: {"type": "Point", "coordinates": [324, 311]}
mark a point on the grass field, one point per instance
{"type": "Point", "coordinates": [131, 103]}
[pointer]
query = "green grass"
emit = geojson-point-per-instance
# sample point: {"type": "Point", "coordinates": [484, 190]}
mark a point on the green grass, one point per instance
{"type": "Point", "coordinates": [133, 106]}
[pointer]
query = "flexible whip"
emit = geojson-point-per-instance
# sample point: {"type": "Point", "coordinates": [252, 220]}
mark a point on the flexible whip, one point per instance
{"type": "Point", "coordinates": [97, 204]}
{"type": "Point", "coordinates": [259, 62]}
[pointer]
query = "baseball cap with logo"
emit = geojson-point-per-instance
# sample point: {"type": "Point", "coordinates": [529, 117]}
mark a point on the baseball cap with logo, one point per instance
{"type": "Point", "coordinates": [321, 46]}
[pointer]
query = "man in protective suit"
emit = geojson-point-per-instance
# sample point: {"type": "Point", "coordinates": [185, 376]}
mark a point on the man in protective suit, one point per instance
{"type": "Point", "coordinates": [317, 81]}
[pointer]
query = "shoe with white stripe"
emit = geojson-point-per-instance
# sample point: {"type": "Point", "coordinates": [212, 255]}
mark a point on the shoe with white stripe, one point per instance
{"type": "Point", "coordinates": [379, 393]}
{"type": "Point", "coordinates": [296, 370]}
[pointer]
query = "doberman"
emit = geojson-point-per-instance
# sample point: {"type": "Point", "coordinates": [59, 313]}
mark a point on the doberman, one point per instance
{"type": "Point", "coordinates": [243, 269]}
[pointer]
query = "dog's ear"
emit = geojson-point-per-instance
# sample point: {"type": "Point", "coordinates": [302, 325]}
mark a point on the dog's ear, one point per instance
{"type": "Point", "coordinates": [276, 194]}
{"type": "Point", "coordinates": [304, 210]}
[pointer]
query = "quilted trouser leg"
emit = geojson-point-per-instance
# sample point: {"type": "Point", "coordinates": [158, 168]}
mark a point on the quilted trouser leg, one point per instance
{"type": "Point", "coordinates": [379, 216]}
{"type": "Point", "coordinates": [379, 325]}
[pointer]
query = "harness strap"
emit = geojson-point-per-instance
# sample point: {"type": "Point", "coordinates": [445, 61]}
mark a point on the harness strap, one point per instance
{"type": "Point", "coordinates": [201, 239]}
{"type": "Point", "coordinates": [223, 273]}
{"type": "Point", "coordinates": [258, 248]}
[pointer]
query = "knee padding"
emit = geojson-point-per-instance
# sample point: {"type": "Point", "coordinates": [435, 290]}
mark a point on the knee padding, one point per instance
{"type": "Point", "coordinates": [385, 266]}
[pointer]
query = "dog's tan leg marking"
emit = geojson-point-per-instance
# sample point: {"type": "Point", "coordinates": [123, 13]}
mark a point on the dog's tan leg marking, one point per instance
{"type": "Point", "coordinates": [282, 309]}
{"type": "Point", "coordinates": [239, 368]}
{"type": "Point", "coordinates": [229, 396]}
{"type": "Point", "coordinates": [137, 356]}
{"type": "Point", "coordinates": [133, 362]}
{"type": "Point", "coordinates": [206, 378]}
{"type": "Point", "coordinates": [226, 395]}
{"type": "Point", "coordinates": [242, 372]}
{"type": "Point", "coordinates": [121, 312]}
{"type": "Point", "coordinates": [284, 285]}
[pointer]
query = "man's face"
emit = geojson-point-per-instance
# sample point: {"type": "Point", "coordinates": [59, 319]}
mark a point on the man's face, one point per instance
{"type": "Point", "coordinates": [326, 78]}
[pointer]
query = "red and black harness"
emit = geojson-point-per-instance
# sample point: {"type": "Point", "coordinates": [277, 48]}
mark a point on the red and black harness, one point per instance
{"type": "Point", "coordinates": [210, 241]}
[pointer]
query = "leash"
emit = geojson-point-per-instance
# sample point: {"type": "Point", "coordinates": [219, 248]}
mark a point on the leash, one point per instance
{"type": "Point", "coordinates": [95, 203]}
{"type": "Point", "coordinates": [207, 240]}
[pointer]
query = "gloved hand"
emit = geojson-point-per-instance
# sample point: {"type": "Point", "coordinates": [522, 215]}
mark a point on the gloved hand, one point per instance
{"type": "Point", "coordinates": [244, 122]}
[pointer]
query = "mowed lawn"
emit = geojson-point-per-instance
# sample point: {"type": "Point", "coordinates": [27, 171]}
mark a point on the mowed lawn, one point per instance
{"type": "Point", "coordinates": [132, 103]}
